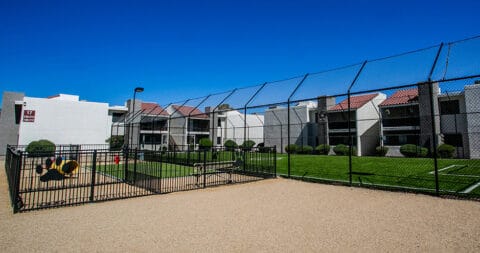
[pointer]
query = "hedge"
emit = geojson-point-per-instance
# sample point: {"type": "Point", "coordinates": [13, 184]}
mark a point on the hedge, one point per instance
{"type": "Point", "coordinates": [291, 149]}
{"type": "Point", "coordinates": [344, 150]}
{"type": "Point", "coordinates": [230, 145]}
{"type": "Point", "coordinates": [247, 145]}
{"type": "Point", "coordinates": [205, 143]}
{"type": "Point", "coordinates": [305, 149]}
{"type": "Point", "coordinates": [40, 148]}
{"type": "Point", "coordinates": [115, 142]}
{"type": "Point", "coordinates": [411, 150]}
{"type": "Point", "coordinates": [323, 149]}
{"type": "Point", "coordinates": [381, 151]}
{"type": "Point", "coordinates": [446, 151]}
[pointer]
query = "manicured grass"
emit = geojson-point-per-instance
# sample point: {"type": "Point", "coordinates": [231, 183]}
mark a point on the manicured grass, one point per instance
{"type": "Point", "coordinates": [255, 162]}
{"type": "Point", "coordinates": [404, 172]}
{"type": "Point", "coordinates": [455, 175]}
{"type": "Point", "coordinates": [199, 156]}
{"type": "Point", "coordinates": [164, 170]}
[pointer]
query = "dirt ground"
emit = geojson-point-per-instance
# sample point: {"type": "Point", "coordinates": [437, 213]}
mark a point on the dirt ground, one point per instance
{"type": "Point", "coordinates": [276, 215]}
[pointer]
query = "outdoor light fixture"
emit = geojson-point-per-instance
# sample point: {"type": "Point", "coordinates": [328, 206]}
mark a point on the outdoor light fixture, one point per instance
{"type": "Point", "coordinates": [137, 89]}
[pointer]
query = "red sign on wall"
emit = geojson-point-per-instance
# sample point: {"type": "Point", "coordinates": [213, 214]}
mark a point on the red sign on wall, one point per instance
{"type": "Point", "coordinates": [29, 116]}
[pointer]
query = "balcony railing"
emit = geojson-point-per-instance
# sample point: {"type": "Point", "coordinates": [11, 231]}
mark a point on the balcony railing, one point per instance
{"type": "Point", "coordinates": [394, 122]}
{"type": "Point", "coordinates": [198, 129]}
{"type": "Point", "coordinates": [150, 127]}
{"type": "Point", "coordinates": [341, 124]}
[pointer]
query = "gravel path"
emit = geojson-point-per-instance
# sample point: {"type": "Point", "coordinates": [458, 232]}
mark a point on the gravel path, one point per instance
{"type": "Point", "coordinates": [276, 215]}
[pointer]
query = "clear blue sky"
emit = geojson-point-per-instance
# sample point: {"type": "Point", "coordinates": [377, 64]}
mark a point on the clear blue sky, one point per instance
{"type": "Point", "coordinates": [178, 49]}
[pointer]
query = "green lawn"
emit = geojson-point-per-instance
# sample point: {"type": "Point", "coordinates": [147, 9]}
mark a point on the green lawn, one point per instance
{"type": "Point", "coordinates": [256, 162]}
{"type": "Point", "coordinates": [199, 156]}
{"type": "Point", "coordinates": [164, 170]}
{"type": "Point", "coordinates": [455, 175]}
{"type": "Point", "coordinates": [404, 172]}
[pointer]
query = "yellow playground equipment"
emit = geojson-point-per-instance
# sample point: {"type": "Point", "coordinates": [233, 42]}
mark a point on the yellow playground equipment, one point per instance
{"type": "Point", "coordinates": [66, 167]}
{"type": "Point", "coordinates": [63, 167]}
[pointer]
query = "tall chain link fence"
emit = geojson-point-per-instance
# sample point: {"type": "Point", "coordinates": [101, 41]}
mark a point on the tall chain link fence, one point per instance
{"type": "Point", "coordinates": [408, 121]}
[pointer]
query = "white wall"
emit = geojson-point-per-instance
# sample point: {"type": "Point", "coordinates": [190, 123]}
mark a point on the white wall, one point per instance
{"type": "Point", "coordinates": [116, 128]}
{"type": "Point", "coordinates": [276, 126]}
{"type": "Point", "coordinates": [368, 125]}
{"type": "Point", "coordinates": [235, 127]}
{"type": "Point", "coordinates": [65, 122]}
{"type": "Point", "coordinates": [472, 97]}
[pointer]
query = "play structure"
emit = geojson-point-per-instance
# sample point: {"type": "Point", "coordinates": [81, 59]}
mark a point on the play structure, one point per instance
{"type": "Point", "coordinates": [58, 169]}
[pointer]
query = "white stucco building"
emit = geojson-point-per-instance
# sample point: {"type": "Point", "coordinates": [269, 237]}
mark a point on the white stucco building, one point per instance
{"type": "Point", "coordinates": [230, 125]}
{"type": "Point", "coordinates": [62, 119]}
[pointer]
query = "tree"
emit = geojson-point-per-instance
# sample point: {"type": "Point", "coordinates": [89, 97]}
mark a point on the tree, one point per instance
{"type": "Point", "coordinates": [224, 107]}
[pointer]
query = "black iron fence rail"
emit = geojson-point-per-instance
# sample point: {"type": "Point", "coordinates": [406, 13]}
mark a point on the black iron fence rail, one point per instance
{"type": "Point", "coordinates": [54, 180]}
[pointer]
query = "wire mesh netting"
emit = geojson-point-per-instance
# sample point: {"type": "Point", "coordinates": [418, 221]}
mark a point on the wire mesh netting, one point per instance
{"type": "Point", "coordinates": [408, 121]}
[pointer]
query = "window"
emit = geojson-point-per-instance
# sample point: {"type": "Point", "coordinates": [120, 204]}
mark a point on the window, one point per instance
{"type": "Point", "coordinates": [219, 140]}
{"type": "Point", "coordinates": [219, 123]}
{"type": "Point", "coordinates": [150, 139]}
{"type": "Point", "coordinates": [453, 139]}
{"type": "Point", "coordinates": [18, 113]}
{"type": "Point", "coordinates": [116, 117]}
{"type": "Point", "coordinates": [449, 107]}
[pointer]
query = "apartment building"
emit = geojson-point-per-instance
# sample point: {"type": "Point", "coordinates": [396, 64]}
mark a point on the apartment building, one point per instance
{"type": "Point", "coordinates": [302, 125]}
{"type": "Point", "coordinates": [187, 126]}
{"type": "Point", "coordinates": [364, 123]}
{"type": "Point", "coordinates": [236, 126]}
{"type": "Point", "coordinates": [152, 127]}
{"type": "Point", "coordinates": [62, 119]}
{"type": "Point", "coordinates": [406, 119]}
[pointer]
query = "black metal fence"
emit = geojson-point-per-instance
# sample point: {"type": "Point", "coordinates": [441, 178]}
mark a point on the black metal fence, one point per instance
{"type": "Point", "coordinates": [75, 176]}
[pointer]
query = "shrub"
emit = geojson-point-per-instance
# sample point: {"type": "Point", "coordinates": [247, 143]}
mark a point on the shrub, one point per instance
{"type": "Point", "coordinates": [247, 145]}
{"type": "Point", "coordinates": [446, 151]}
{"type": "Point", "coordinates": [115, 142]}
{"type": "Point", "coordinates": [423, 152]}
{"type": "Point", "coordinates": [411, 150]}
{"type": "Point", "coordinates": [344, 150]}
{"type": "Point", "coordinates": [41, 148]}
{"type": "Point", "coordinates": [381, 150]}
{"type": "Point", "coordinates": [230, 145]}
{"type": "Point", "coordinates": [291, 149]}
{"type": "Point", "coordinates": [261, 148]}
{"type": "Point", "coordinates": [323, 149]}
{"type": "Point", "coordinates": [305, 149]}
{"type": "Point", "coordinates": [205, 143]}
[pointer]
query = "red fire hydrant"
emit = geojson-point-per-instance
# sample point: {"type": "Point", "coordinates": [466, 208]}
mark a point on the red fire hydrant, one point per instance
{"type": "Point", "coordinates": [117, 159]}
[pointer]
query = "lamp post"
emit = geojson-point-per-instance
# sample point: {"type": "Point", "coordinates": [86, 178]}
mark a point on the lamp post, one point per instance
{"type": "Point", "coordinates": [137, 89]}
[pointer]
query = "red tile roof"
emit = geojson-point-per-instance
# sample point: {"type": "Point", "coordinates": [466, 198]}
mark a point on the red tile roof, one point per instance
{"type": "Point", "coordinates": [188, 110]}
{"type": "Point", "coordinates": [153, 109]}
{"type": "Point", "coordinates": [355, 102]}
{"type": "Point", "coordinates": [401, 97]}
